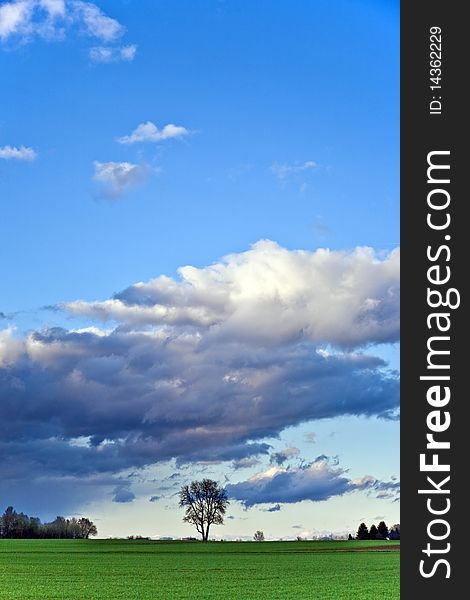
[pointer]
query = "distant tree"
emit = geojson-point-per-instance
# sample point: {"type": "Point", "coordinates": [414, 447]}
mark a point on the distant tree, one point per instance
{"type": "Point", "coordinates": [362, 532]}
{"type": "Point", "coordinates": [73, 528]}
{"type": "Point", "coordinates": [58, 527]}
{"type": "Point", "coordinates": [259, 536]}
{"type": "Point", "coordinates": [350, 537]}
{"type": "Point", "coordinates": [8, 522]}
{"type": "Point", "coordinates": [394, 533]}
{"type": "Point", "coordinates": [86, 528]}
{"type": "Point", "coordinates": [34, 528]}
{"type": "Point", "coordinates": [382, 530]}
{"type": "Point", "coordinates": [373, 531]}
{"type": "Point", "coordinates": [19, 525]}
{"type": "Point", "coordinates": [205, 503]}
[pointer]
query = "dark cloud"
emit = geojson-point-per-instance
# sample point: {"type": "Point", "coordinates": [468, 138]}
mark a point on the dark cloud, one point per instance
{"type": "Point", "coordinates": [154, 498]}
{"type": "Point", "coordinates": [279, 458]}
{"type": "Point", "coordinates": [275, 508]}
{"type": "Point", "coordinates": [49, 496]}
{"type": "Point", "coordinates": [386, 489]}
{"type": "Point", "coordinates": [137, 399]}
{"type": "Point", "coordinates": [316, 481]}
{"type": "Point", "coordinates": [384, 495]}
{"type": "Point", "coordinates": [133, 399]}
{"type": "Point", "coordinates": [237, 452]}
{"type": "Point", "coordinates": [123, 494]}
{"type": "Point", "coordinates": [245, 463]}
{"type": "Point", "coordinates": [202, 370]}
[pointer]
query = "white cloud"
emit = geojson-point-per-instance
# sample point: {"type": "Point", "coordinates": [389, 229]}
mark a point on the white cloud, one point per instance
{"type": "Point", "coordinates": [14, 153]}
{"type": "Point", "coordinates": [117, 177]}
{"type": "Point", "coordinates": [268, 295]}
{"type": "Point", "coordinates": [10, 347]}
{"type": "Point", "coordinates": [108, 54]}
{"type": "Point", "coordinates": [97, 24]}
{"type": "Point", "coordinates": [149, 132]}
{"type": "Point", "coordinates": [53, 7]}
{"type": "Point", "coordinates": [26, 19]}
{"type": "Point", "coordinates": [15, 18]}
{"type": "Point", "coordinates": [284, 170]}
{"type": "Point", "coordinates": [128, 52]}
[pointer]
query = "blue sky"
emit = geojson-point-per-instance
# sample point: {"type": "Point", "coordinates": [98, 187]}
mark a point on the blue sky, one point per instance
{"type": "Point", "coordinates": [286, 130]}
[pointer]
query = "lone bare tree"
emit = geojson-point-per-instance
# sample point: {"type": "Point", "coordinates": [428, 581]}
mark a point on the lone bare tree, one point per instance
{"type": "Point", "coordinates": [205, 503]}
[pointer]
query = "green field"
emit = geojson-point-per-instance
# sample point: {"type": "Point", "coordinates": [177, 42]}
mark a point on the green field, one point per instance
{"type": "Point", "coordinates": [144, 570]}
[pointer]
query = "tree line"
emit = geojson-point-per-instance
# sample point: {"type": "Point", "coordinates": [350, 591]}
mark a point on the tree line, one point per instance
{"type": "Point", "coordinates": [379, 532]}
{"type": "Point", "coordinates": [19, 525]}
{"type": "Point", "coordinates": [205, 503]}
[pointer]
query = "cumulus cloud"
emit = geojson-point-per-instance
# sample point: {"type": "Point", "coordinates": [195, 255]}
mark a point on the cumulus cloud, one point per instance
{"type": "Point", "coordinates": [310, 437]}
{"type": "Point", "coordinates": [149, 132]}
{"type": "Point", "coordinates": [15, 153]}
{"type": "Point", "coordinates": [316, 481]}
{"type": "Point", "coordinates": [204, 368]}
{"type": "Point", "coordinates": [270, 295]}
{"type": "Point", "coordinates": [23, 20]}
{"type": "Point", "coordinates": [282, 171]}
{"type": "Point", "coordinates": [118, 177]}
{"type": "Point", "coordinates": [110, 54]}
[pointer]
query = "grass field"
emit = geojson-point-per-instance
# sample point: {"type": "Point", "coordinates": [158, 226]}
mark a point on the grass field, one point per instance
{"type": "Point", "coordinates": [144, 570]}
